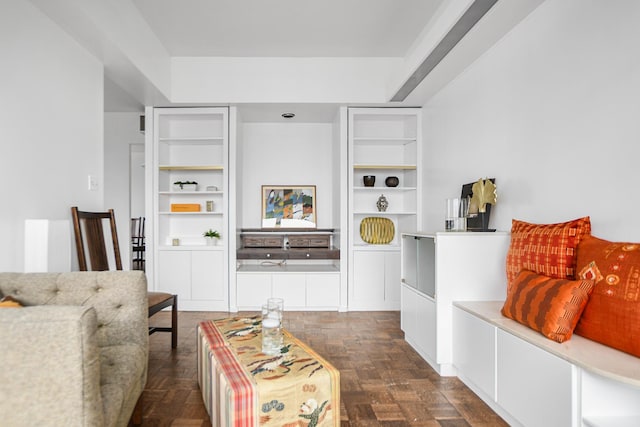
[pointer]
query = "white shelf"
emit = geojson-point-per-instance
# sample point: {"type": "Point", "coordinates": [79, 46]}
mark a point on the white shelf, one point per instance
{"type": "Point", "coordinates": [386, 167]}
{"type": "Point", "coordinates": [197, 140]}
{"type": "Point", "coordinates": [190, 213]}
{"type": "Point", "coordinates": [376, 247]}
{"type": "Point", "coordinates": [202, 247]}
{"type": "Point", "coordinates": [612, 421]}
{"type": "Point", "coordinates": [190, 167]}
{"type": "Point", "coordinates": [363, 140]}
{"type": "Point", "coordinates": [287, 268]}
{"type": "Point", "coordinates": [389, 189]}
{"type": "Point", "coordinates": [387, 213]}
{"type": "Point", "coordinates": [191, 193]}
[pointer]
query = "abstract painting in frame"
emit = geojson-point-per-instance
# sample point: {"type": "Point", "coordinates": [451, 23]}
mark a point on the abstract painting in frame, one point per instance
{"type": "Point", "coordinates": [289, 206]}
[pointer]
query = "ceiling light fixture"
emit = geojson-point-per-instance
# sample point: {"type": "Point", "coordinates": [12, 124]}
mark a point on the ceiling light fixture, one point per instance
{"type": "Point", "coordinates": [288, 115]}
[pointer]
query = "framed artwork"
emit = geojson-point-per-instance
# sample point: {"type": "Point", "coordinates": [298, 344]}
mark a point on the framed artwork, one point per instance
{"type": "Point", "coordinates": [289, 206]}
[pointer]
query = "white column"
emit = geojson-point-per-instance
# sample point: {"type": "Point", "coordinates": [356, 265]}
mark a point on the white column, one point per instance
{"type": "Point", "coordinates": [47, 246]}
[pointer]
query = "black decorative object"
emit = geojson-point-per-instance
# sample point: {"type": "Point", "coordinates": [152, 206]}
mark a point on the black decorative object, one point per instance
{"type": "Point", "coordinates": [477, 221]}
{"type": "Point", "coordinates": [392, 181]}
{"type": "Point", "coordinates": [369, 180]}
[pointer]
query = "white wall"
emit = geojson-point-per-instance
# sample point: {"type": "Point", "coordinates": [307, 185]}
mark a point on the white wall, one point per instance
{"type": "Point", "coordinates": [121, 130]}
{"type": "Point", "coordinates": [285, 154]}
{"type": "Point", "coordinates": [280, 80]}
{"type": "Point", "coordinates": [553, 113]}
{"type": "Point", "coordinates": [51, 124]}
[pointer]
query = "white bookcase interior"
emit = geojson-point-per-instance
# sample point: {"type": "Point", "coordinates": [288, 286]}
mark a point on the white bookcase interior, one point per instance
{"type": "Point", "coordinates": [382, 142]}
{"type": "Point", "coordinates": [190, 145]}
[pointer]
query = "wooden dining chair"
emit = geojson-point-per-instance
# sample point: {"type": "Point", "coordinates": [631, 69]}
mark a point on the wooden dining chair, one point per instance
{"type": "Point", "coordinates": [138, 244]}
{"type": "Point", "coordinates": [90, 237]}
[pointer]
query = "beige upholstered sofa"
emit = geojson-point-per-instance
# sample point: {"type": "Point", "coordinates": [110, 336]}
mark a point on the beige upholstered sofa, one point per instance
{"type": "Point", "coordinates": [77, 353]}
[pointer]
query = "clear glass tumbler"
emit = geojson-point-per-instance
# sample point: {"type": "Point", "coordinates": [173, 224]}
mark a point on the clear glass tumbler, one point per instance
{"type": "Point", "coordinates": [272, 338]}
{"type": "Point", "coordinates": [456, 214]}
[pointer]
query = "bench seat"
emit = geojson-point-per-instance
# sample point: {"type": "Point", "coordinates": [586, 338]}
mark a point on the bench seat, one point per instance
{"type": "Point", "coordinates": [531, 380]}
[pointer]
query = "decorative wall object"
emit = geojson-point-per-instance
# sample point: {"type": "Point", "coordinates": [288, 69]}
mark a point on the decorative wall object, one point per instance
{"type": "Point", "coordinates": [289, 206]}
{"type": "Point", "coordinates": [376, 230]}
{"type": "Point", "coordinates": [483, 194]}
{"type": "Point", "coordinates": [382, 204]}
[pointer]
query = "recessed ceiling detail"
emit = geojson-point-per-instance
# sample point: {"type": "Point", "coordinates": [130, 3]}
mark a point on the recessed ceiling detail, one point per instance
{"type": "Point", "coordinates": [287, 28]}
{"type": "Point", "coordinates": [475, 12]}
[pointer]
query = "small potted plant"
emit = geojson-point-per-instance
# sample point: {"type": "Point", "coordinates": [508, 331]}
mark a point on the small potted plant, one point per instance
{"type": "Point", "coordinates": [211, 236]}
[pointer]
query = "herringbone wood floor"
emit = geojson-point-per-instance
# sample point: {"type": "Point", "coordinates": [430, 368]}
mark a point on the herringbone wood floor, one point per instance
{"type": "Point", "coordinates": [384, 382]}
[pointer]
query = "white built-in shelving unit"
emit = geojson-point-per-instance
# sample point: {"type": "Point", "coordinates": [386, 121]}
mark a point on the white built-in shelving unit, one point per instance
{"type": "Point", "coordinates": [382, 142]}
{"type": "Point", "coordinates": [190, 144]}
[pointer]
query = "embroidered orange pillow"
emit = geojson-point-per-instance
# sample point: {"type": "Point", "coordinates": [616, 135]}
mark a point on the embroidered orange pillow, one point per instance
{"type": "Point", "coordinates": [9, 302]}
{"type": "Point", "coordinates": [548, 249]}
{"type": "Point", "coordinates": [547, 305]}
{"type": "Point", "coordinates": [612, 316]}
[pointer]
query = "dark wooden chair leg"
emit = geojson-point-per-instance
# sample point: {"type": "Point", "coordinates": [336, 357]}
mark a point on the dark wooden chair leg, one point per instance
{"type": "Point", "coordinates": [136, 417]}
{"type": "Point", "coordinates": [174, 322]}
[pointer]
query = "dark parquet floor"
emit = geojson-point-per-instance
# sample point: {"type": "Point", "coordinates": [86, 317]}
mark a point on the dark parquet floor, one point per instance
{"type": "Point", "coordinates": [384, 382]}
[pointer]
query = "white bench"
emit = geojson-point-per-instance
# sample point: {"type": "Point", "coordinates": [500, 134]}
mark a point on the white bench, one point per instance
{"type": "Point", "coordinates": [530, 380]}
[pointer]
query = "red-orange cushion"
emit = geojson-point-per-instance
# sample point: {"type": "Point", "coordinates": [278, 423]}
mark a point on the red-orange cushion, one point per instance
{"type": "Point", "coordinates": [612, 316]}
{"type": "Point", "coordinates": [548, 249]}
{"type": "Point", "coordinates": [547, 305]}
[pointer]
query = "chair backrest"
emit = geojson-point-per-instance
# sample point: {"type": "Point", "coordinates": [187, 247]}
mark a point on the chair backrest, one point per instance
{"type": "Point", "coordinates": [89, 233]}
{"type": "Point", "coordinates": [137, 230]}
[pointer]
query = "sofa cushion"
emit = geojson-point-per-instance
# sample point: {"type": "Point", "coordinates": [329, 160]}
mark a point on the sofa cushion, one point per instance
{"type": "Point", "coordinates": [547, 305]}
{"type": "Point", "coordinates": [548, 249]}
{"type": "Point", "coordinates": [612, 316]}
{"type": "Point", "coordinates": [122, 376]}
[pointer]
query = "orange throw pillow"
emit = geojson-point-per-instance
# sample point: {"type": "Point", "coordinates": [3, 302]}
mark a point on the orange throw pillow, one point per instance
{"type": "Point", "coordinates": [548, 249]}
{"type": "Point", "coordinates": [9, 302]}
{"type": "Point", "coordinates": [612, 316]}
{"type": "Point", "coordinates": [549, 306]}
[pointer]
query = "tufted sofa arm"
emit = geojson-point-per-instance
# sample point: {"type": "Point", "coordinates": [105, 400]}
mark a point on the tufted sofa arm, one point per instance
{"type": "Point", "coordinates": [77, 354]}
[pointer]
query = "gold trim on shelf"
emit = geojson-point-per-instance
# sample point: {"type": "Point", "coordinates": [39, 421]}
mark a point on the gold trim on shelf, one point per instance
{"type": "Point", "coordinates": [377, 230]}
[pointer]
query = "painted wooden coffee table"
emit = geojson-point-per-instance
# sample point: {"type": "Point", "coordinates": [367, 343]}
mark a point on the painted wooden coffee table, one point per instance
{"type": "Point", "coordinates": [241, 386]}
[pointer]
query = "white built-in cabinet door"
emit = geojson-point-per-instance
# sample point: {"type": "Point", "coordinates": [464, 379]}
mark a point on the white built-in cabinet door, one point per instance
{"type": "Point", "coordinates": [196, 276]}
{"type": "Point", "coordinates": [534, 386]}
{"type": "Point", "coordinates": [418, 318]}
{"type": "Point", "coordinates": [291, 288]}
{"type": "Point", "coordinates": [253, 290]}
{"type": "Point", "coordinates": [323, 290]}
{"type": "Point", "coordinates": [300, 290]}
{"type": "Point", "coordinates": [376, 280]}
{"type": "Point", "coordinates": [474, 353]}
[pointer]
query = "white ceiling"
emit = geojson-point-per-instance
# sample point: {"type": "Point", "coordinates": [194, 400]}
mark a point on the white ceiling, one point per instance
{"type": "Point", "coordinates": [136, 38]}
{"type": "Point", "coordinates": [287, 28]}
